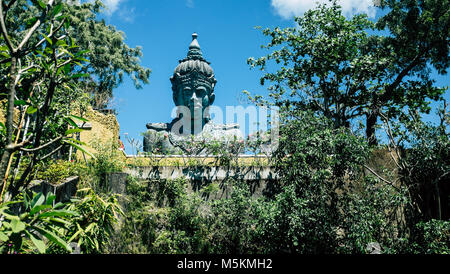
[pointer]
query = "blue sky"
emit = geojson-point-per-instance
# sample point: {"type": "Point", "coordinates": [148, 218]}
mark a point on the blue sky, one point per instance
{"type": "Point", "coordinates": [227, 36]}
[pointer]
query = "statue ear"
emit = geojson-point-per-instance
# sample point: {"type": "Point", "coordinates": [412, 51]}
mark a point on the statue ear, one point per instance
{"type": "Point", "coordinates": [212, 97]}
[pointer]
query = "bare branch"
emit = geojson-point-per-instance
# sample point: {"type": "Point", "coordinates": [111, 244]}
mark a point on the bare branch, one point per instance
{"type": "Point", "coordinates": [43, 146]}
{"type": "Point", "coordinates": [50, 35]}
{"type": "Point", "coordinates": [64, 63]}
{"type": "Point", "coordinates": [15, 147]}
{"type": "Point", "coordinates": [51, 153]}
{"type": "Point", "coordinates": [381, 178]}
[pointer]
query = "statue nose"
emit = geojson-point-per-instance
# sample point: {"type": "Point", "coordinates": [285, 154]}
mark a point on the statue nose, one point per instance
{"type": "Point", "coordinates": [194, 96]}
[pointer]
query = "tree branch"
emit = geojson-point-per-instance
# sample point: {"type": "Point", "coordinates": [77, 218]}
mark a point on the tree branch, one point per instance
{"type": "Point", "coordinates": [51, 153]}
{"type": "Point", "coordinates": [15, 147]}
{"type": "Point", "coordinates": [381, 178]}
{"type": "Point", "coordinates": [5, 31]}
{"type": "Point", "coordinates": [390, 88]}
{"type": "Point", "coordinates": [43, 146]}
{"type": "Point", "coordinates": [35, 26]}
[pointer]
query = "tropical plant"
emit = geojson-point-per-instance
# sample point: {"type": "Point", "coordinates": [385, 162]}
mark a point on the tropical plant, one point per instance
{"type": "Point", "coordinates": [39, 58]}
{"type": "Point", "coordinates": [30, 224]}
{"type": "Point", "coordinates": [97, 216]}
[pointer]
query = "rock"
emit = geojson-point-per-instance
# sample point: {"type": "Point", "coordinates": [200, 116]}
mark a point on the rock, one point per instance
{"type": "Point", "coordinates": [373, 248]}
{"type": "Point", "coordinates": [63, 191]}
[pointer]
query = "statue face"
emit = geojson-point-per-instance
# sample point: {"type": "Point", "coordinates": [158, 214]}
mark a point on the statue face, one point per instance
{"type": "Point", "coordinates": [195, 92]}
{"type": "Point", "coordinates": [197, 97]}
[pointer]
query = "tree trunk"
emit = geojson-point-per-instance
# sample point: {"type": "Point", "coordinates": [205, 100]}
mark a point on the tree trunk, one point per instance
{"type": "Point", "coordinates": [9, 118]}
{"type": "Point", "coordinates": [371, 122]}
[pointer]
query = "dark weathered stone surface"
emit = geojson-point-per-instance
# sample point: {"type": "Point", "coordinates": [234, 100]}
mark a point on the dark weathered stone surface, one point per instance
{"type": "Point", "coordinates": [200, 177]}
{"type": "Point", "coordinates": [116, 182]}
{"type": "Point", "coordinates": [63, 191]}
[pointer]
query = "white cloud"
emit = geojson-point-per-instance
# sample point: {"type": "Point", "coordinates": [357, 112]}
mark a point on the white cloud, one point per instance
{"type": "Point", "coordinates": [111, 5]}
{"type": "Point", "coordinates": [127, 14]}
{"type": "Point", "coordinates": [289, 8]}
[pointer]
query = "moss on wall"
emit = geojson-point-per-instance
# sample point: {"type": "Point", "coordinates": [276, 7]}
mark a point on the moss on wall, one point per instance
{"type": "Point", "coordinates": [105, 129]}
{"type": "Point", "coordinates": [184, 161]}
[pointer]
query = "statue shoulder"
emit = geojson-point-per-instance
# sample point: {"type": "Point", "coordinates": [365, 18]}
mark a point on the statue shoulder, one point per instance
{"type": "Point", "coordinates": [158, 126]}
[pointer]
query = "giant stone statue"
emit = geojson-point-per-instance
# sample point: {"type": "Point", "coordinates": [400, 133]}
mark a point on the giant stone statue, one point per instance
{"type": "Point", "coordinates": [193, 85]}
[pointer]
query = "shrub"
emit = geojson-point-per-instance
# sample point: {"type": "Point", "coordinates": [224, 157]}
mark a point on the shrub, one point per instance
{"type": "Point", "coordinates": [432, 237]}
{"type": "Point", "coordinates": [57, 171]}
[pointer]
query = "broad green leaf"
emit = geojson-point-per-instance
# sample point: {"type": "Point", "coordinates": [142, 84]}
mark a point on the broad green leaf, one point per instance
{"type": "Point", "coordinates": [76, 141]}
{"type": "Point", "coordinates": [60, 221]}
{"type": "Point", "coordinates": [26, 201]}
{"type": "Point", "coordinates": [67, 68]}
{"type": "Point", "coordinates": [53, 238]}
{"type": "Point", "coordinates": [37, 200]}
{"type": "Point", "coordinates": [74, 236]}
{"type": "Point", "coordinates": [50, 199]}
{"type": "Point", "coordinates": [48, 39]}
{"type": "Point", "coordinates": [31, 21]}
{"type": "Point", "coordinates": [57, 213]}
{"type": "Point", "coordinates": [20, 103]}
{"type": "Point", "coordinates": [41, 4]}
{"type": "Point", "coordinates": [3, 237]}
{"type": "Point", "coordinates": [31, 110]}
{"type": "Point", "coordinates": [17, 225]}
{"type": "Point", "coordinates": [85, 60]}
{"type": "Point", "coordinates": [38, 208]}
{"type": "Point", "coordinates": [79, 147]}
{"type": "Point", "coordinates": [90, 227]}
{"type": "Point", "coordinates": [39, 244]}
{"type": "Point", "coordinates": [79, 118]}
{"type": "Point", "coordinates": [79, 75]}
{"type": "Point", "coordinates": [61, 43]}
{"type": "Point", "coordinates": [81, 52]}
{"type": "Point", "coordinates": [57, 9]}
{"type": "Point", "coordinates": [71, 122]}
{"type": "Point", "coordinates": [5, 54]}
{"type": "Point", "coordinates": [73, 130]}
{"type": "Point", "coordinates": [59, 205]}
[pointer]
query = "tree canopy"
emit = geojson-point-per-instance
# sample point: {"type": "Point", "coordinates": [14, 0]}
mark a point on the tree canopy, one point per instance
{"type": "Point", "coordinates": [345, 69]}
{"type": "Point", "coordinates": [110, 58]}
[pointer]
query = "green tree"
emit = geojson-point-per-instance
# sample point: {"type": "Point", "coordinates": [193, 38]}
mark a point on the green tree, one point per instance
{"type": "Point", "coordinates": [422, 152]}
{"type": "Point", "coordinates": [38, 60]}
{"type": "Point", "coordinates": [331, 65]}
{"type": "Point", "coordinates": [108, 54]}
{"type": "Point", "coordinates": [325, 65]}
{"type": "Point", "coordinates": [417, 41]}
{"type": "Point", "coordinates": [102, 44]}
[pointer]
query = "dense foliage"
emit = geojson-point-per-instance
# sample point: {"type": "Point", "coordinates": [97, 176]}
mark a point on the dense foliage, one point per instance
{"type": "Point", "coordinates": [326, 201]}
{"type": "Point", "coordinates": [346, 70]}
{"type": "Point", "coordinates": [334, 192]}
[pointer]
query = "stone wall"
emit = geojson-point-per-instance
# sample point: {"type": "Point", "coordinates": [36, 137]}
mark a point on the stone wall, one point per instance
{"type": "Point", "coordinates": [101, 129]}
{"type": "Point", "coordinates": [3, 106]}
{"type": "Point", "coordinates": [206, 177]}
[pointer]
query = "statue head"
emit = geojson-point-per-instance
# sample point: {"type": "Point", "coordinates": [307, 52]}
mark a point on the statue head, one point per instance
{"type": "Point", "coordinates": [193, 83]}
